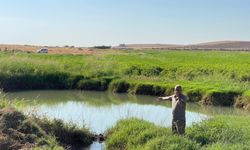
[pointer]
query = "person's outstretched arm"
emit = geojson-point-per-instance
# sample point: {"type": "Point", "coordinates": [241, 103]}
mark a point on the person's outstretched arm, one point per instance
{"type": "Point", "coordinates": [164, 98]}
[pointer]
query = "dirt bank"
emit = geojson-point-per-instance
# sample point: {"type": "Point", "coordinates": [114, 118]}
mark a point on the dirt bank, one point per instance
{"type": "Point", "coordinates": [18, 131]}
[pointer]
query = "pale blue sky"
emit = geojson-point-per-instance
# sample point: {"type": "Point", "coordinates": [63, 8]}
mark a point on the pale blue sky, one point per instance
{"type": "Point", "coordinates": [110, 22]}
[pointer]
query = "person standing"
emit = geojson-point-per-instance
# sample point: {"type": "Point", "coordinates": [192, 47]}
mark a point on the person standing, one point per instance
{"type": "Point", "coordinates": [178, 110]}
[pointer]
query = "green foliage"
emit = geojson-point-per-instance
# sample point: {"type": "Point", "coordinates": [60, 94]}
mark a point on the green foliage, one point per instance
{"type": "Point", "coordinates": [214, 77]}
{"type": "Point", "coordinates": [55, 80]}
{"type": "Point", "coordinates": [171, 143]}
{"type": "Point", "coordinates": [222, 146]}
{"type": "Point", "coordinates": [145, 71]}
{"type": "Point", "coordinates": [148, 89]}
{"type": "Point", "coordinates": [138, 134]}
{"type": "Point", "coordinates": [152, 71]}
{"type": "Point", "coordinates": [213, 131]}
{"type": "Point", "coordinates": [30, 127]}
{"type": "Point", "coordinates": [133, 70]}
{"type": "Point", "coordinates": [221, 132]}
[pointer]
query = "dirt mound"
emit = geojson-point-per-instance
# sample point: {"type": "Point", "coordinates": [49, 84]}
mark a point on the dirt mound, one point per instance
{"type": "Point", "coordinates": [14, 140]}
{"type": "Point", "coordinates": [9, 118]}
{"type": "Point", "coordinates": [10, 137]}
{"type": "Point", "coordinates": [18, 131]}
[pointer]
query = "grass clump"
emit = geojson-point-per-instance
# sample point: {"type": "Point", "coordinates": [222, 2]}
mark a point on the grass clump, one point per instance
{"type": "Point", "coordinates": [220, 132]}
{"type": "Point", "coordinates": [66, 134]}
{"type": "Point", "coordinates": [93, 84]}
{"type": "Point", "coordinates": [138, 134]}
{"type": "Point", "coordinates": [243, 101]}
{"type": "Point", "coordinates": [119, 86]}
{"type": "Point", "coordinates": [214, 131]}
{"type": "Point", "coordinates": [148, 89]}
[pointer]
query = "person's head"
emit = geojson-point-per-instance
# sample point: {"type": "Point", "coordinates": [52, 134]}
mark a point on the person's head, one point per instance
{"type": "Point", "coordinates": [177, 89]}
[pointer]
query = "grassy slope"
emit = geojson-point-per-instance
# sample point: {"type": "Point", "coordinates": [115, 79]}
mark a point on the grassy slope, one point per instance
{"type": "Point", "coordinates": [29, 132]}
{"type": "Point", "coordinates": [212, 76]}
{"type": "Point", "coordinates": [221, 132]}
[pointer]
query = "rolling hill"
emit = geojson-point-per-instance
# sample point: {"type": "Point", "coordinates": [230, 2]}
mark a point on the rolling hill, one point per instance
{"type": "Point", "coordinates": [218, 45]}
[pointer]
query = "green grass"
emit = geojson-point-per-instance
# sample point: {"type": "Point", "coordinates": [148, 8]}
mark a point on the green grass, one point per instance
{"type": "Point", "coordinates": [211, 77]}
{"type": "Point", "coordinates": [221, 132]}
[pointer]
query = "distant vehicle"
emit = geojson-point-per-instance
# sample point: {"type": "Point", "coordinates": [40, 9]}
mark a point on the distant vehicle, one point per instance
{"type": "Point", "coordinates": [102, 47]}
{"type": "Point", "coordinates": [42, 50]}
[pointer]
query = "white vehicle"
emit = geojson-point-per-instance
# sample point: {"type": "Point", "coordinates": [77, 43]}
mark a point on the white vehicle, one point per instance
{"type": "Point", "coordinates": [42, 50]}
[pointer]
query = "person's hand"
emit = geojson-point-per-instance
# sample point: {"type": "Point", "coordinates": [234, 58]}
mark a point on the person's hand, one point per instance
{"type": "Point", "coordinates": [180, 102]}
{"type": "Point", "coordinates": [159, 99]}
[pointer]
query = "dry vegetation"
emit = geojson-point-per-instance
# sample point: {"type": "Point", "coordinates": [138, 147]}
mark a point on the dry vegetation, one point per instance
{"type": "Point", "coordinates": [52, 50]}
{"type": "Point", "coordinates": [217, 45]}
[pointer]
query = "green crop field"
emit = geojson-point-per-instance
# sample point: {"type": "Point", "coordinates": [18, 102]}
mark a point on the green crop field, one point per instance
{"type": "Point", "coordinates": [210, 77]}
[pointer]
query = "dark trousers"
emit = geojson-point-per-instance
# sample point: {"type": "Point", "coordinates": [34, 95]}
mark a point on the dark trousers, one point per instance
{"type": "Point", "coordinates": [178, 126]}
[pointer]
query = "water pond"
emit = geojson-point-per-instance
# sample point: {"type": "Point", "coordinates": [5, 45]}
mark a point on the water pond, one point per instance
{"type": "Point", "coordinates": [101, 110]}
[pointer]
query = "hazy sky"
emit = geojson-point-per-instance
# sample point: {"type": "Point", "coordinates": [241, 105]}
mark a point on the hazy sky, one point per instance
{"type": "Point", "coordinates": [110, 22]}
